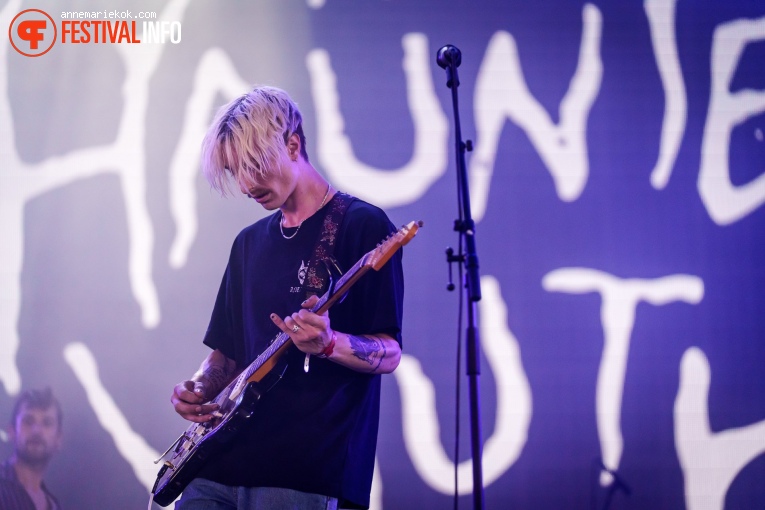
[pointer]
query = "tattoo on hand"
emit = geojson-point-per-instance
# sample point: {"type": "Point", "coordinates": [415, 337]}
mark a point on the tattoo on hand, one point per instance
{"type": "Point", "coordinates": [367, 349]}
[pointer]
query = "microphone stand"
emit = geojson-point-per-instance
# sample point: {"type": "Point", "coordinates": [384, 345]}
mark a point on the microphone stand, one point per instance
{"type": "Point", "coordinates": [449, 58]}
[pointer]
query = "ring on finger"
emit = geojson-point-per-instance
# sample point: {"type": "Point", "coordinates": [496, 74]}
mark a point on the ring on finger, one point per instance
{"type": "Point", "coordinates": [295, 328]}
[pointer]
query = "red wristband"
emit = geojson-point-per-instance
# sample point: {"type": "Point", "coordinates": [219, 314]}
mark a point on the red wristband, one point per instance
{"type": "Point", "coordinates": [329, 349]}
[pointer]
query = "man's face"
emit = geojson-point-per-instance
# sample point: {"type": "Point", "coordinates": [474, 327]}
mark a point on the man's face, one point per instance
{"type": "Point", "coordinates": [36, 434]}
{"type": "Point", "coordinates": [271, 192]}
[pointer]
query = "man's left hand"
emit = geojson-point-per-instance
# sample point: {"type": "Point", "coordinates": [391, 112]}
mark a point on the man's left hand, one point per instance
{"type": "Point", "coordinates": [310, 332]}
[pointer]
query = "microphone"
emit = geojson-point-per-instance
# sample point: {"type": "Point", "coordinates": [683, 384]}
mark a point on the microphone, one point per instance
{"type": "Point", "coordinates": [450, 58]}
{"type": "Point", "coordinates": [447, 55]}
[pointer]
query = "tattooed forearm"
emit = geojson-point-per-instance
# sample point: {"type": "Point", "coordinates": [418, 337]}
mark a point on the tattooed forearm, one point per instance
{"type": "Point", "coordinates": [364, 348]}
{"type": "Point", "coordinates": [370, 350]}
{"type": "Point", "coordinates": [215, 377]}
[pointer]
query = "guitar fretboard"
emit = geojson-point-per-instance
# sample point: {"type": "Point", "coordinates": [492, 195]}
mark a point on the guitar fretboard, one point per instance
{"type": "Point", "coordinates": [282, 338]}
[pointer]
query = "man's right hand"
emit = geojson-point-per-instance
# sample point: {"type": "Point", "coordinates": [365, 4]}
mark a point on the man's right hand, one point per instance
{"type": "Point", "coordinates": [189, 399]}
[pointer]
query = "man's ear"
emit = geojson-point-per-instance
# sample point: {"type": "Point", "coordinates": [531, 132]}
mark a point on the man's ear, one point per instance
{"type": "Point", "coordinates": [293, 146]}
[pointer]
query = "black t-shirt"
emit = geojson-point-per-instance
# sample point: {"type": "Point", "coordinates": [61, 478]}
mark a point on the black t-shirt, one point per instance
{"type": "Point", "coordinates": [13, 495]}
{"type": "Point", "coordinates": [317, 431]}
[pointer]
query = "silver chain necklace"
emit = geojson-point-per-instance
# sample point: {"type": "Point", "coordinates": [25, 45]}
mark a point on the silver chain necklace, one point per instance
{"type": "Point", "coordinates": [281, 221]}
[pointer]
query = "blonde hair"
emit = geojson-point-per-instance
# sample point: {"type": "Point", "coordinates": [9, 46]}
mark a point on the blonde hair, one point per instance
{"type": "Point", "coordinates": [249, 137]}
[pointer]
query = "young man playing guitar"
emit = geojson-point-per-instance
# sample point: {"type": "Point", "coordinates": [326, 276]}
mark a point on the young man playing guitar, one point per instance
{"type": "Point", "coordinates": [311, 441]}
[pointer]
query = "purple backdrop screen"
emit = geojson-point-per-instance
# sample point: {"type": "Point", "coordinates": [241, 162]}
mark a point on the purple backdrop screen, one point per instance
{"type": "Point", "coordinates": [617, 182]}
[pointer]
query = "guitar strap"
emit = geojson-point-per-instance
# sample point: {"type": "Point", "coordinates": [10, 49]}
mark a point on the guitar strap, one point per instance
{"type": "Point", "coordinates": [323, 261]}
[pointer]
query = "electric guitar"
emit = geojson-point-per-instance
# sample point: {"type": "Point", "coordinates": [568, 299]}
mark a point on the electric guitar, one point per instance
{"type": "Point", "coordinates": [187, 455]}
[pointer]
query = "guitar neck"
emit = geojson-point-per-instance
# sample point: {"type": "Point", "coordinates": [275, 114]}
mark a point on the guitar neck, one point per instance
{"type": "Point", "coordinates": [282, 341]}
{"type": "Point", "coordinates": [342, 285]}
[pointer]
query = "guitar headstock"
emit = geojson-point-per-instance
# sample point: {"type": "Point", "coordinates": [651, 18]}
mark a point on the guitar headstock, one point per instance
{"type": "Point", "coordinates": [385, 250]}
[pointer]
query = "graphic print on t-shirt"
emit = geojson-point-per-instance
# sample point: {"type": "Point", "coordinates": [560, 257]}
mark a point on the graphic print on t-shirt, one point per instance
{"type": "Point", "coordinates": [302, 271]}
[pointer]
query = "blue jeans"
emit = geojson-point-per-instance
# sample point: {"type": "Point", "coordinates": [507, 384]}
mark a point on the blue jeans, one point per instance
{"type": "Point", "coordinates": [203, 494]}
